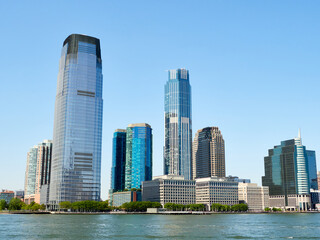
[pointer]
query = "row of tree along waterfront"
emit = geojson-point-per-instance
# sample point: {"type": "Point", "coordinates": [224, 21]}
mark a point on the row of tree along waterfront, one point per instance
{"type": "Point", "coordinates": [17, 204]}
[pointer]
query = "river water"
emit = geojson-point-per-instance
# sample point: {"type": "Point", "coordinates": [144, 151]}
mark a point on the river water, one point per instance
{"type": "Point", "coordinates": [217, 226]}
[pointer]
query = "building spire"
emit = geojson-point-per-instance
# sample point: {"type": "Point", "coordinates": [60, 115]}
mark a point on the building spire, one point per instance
{"type": "Point", "coordinates": [299, 133]}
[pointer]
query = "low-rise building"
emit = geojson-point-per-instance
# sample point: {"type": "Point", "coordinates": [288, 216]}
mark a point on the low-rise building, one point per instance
{"type": "Point", "coordinates": [256, 197]}
{"type": "Point", "coordinates": [6, 195]}
{"type": "Point", "coordinates": [301, 202]}
{"type": "Point", "coordinates": [169, 189]}
{"type": "Point", "coordinates": [216, 190]}
{"type": "Point", "coordinates": [119, 198]}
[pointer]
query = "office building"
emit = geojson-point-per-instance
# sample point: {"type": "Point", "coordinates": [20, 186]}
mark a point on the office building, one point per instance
{"type": "Point", "coordinates": [178, 125]}
{"type": "Point", "coordinates": [208, 153]}
{"type": "Point", "coordinates": [119, 198]}
{"type": "Point", "coordinates": [6, 195]}
{"type": "Point", "coordinates": [118, 160]}
{"type": "Point", "coordinates": [216, 190]}
{"type": "Point", "coordinates": [169, 189]}
{"type": "Point", "coordinates": [256, 197]}
{"type": "Point", "coordinates": [312, 169]}
{"type": "Point", "coordinates": [19, 194]}
{"type": "Point", "coordinates": [318, 180]}
{"type": "Point", "coordinates": [77, 132]}
{"type": "Point", "coordinates": [286, 175]}
{"type": "Point", "coordinates": [138, 155]}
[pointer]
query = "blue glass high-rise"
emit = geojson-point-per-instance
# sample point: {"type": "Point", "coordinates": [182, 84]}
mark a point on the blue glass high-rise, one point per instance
{"type": "Point", "coordinates": [138, 155]}
{"type": "Point", "coordinates": [312, 168]}
{"type": "Point", "coordinates": [77, 134]}
{"type": "Point", "coordinates": [178, 124]}
{"type": "Point", "coordinates": [118, 160]}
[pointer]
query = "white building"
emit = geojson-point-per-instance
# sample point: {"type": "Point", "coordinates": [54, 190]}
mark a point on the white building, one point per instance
{"type": "Point", "coordinates": [216, 190]}
{"type": "Point", "coordinates": [169, 189]}
{"type": "Point", "coordinates": [255, 196]}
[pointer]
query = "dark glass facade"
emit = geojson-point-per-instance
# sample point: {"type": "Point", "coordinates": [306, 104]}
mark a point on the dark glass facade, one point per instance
{"type": "Point", "coordinates": [178, 125]}
{"type": "Point", "coordinates": [312, 167]}
{"type": "Point", "coordinates": [286, 169]}
{"type": "Point", "coordinates": [118, 160]}
{"type": "Point", "coordinates": [77, 134]}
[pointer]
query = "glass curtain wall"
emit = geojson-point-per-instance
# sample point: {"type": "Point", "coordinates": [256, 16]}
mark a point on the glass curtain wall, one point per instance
{"type": "Point", "coordinates": [77, 135]}
{"type": "Point", "coordinates": [178, 124]}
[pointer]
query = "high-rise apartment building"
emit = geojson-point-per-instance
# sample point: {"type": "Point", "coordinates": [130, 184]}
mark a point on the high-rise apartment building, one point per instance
{"type": "Point", "coordinates": [118, 160]}
{"type": "Point", "coordinates": [178, 125]}
{"type": "Point", "coordinates": [287, 174]}
{"type": "Point", "coordinates": [208, 153]}
{"type": "Point", "coordinates": [138, 155]}
{"type": "Point", "coordinates": [77, 133]}
{"type": "Point", "coordinates": [37, 170]}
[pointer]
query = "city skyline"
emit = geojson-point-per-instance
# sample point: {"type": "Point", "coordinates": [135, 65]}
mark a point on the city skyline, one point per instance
{"type": "Point", "coordinates": [248, 75]}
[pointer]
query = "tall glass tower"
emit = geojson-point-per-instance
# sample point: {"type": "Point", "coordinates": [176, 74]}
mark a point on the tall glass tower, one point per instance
{"type": "Point", "coordinates": [118, 160]}
{"type": "Point", "coordinates": [77, 132]}
{"type": "Point", "coordinates": [178, 124]}
{"type": "Point", "coordinates": [138, 155]}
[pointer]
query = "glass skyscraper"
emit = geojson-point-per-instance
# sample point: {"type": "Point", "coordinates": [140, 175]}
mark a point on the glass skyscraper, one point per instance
{"type": "Point", "coordinates": [138, 155]}
{"type": "Point", "coordinates": [178, 125]}
{"type": "Point", "coordinates": [118, 160]}
{"type": "Point", "coordinates": [77, 134]}
{"type": "Point", "coordinates": [286, 169]}
{"type": "Point", "coordinates": [312, 168]}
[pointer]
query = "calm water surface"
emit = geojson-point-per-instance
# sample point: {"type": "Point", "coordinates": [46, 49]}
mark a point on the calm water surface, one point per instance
{"type": "Point", "coordinates": [218, 226]}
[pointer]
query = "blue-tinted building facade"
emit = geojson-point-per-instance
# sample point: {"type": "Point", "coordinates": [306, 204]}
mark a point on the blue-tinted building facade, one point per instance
{"type": "Point", "coordinates": [138, 155]}
{"type": "Point", "coordinates": [77, 134]}
{"type": "Point", "coordinates": [178, 125]}
{"type": "Point", "coordinates": [312, 168]}
{"type": "Point", "coordinates": [118, 160]}
{"type": "Point", "coordinates": [287, 169]}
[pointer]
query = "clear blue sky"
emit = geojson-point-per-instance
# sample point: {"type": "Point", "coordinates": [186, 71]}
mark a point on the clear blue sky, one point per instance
{"type": "Point", "coordinates": [254, 72]}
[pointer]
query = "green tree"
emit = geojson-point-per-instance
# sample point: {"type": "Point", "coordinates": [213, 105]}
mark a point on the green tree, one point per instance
{"type": "Point", "coordinates": [3, 204]}
{"type": "Point", "coordinates": [65, 205]}
{"type": "Point", "coordinates": [15, 204]}
{"type": "Point", "coordinates": [216, 207]}
{"type": "Point", "coordinates": [267, 209]}
{"type": "Point", "coordinates": [42, 207]}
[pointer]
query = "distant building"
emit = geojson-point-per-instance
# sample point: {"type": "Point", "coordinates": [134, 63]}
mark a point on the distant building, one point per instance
{"type": "Point", "coordinates": [239, 180]}
{"type": "Point", "coordinates": [208, 153]}
{"type": "Point", "coordinates": [318, 180]}
{"type": "Point", "coordinates": [216, 190]}
{"type": "Point", "coordinates": [178, 124]}
{"type": "Point", "coordinates": [286, 175]}
{"type": "Point", "coordinates": [119, 198]}
{"type": "Point", "coordinates": [312, 169]}
{"type": "Point", "coordinates": [37, 171]}
{"type": "Point", "coordinates": [138, 155]}
{"type": "Point", "coordinates": [6, 195]}
{"type": "Point", "coordinates": [169, 189]}
{"type": "Point", "coordinates": [256, 197]}
{"type": "Point", "coordinates": [19, 194]}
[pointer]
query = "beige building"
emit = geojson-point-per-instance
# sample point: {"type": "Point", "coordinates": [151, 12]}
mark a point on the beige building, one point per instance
{"type": "Point", "coordinates": [216, 190]}
{"type": "Point", "coordinates": [255, 196]}
{"type": "Point", "coordinates": [208, 153]}
{"type": "Point", "coordinates": [318, 179]}
{"type": "Point", "coordinates": [169, 189]}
